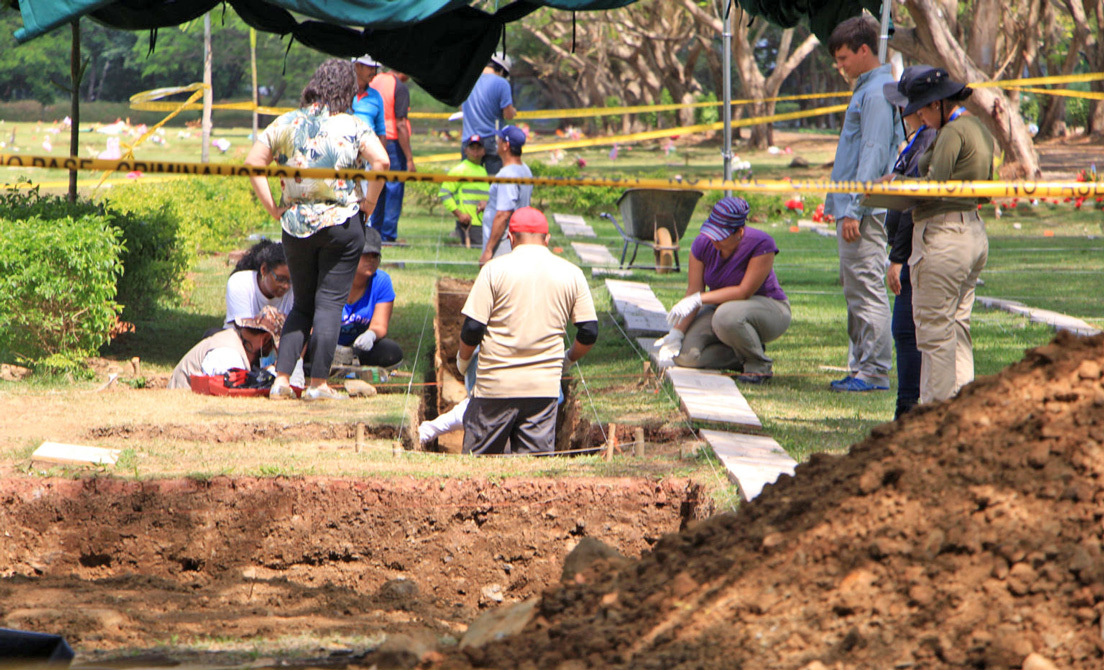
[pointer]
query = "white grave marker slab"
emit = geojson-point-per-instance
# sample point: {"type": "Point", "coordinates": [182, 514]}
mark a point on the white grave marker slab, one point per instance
{"type": "Point", "coordinates": [643, 312]}
{"type": "Point", "coordinates": [709, 396]}
{"type": "Point", "coordinates": [752, 461]}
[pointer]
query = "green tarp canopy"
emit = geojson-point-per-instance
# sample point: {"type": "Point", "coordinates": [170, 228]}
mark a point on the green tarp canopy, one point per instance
{"type": "Point", "coordinates": [442, 44]}
{"type": "Point", "coordinates": [823, 15]}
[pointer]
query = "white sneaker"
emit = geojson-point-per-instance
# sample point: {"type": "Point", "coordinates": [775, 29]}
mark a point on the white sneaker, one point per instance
{"type": "Point", "coordinates": [281, 390]}
{"type": "Point", "coordinates": [320, 393]}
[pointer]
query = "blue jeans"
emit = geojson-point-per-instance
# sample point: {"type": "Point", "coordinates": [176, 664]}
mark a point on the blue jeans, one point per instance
{"type": "Point", "coordinates": [908, 356]}
{"type": "Point", "coordinates": [385, 217]}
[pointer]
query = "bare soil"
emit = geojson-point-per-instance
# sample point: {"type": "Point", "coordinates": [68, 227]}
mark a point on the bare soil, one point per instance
{"type": "Point", "coordinates": [969, 534]}
{"type": "Point", "coordinates": [115, 565]}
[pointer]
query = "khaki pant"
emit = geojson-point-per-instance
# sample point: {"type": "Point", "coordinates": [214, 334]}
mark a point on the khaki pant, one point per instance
{"type": "Point", "coordinates": [862, 270]}
{"type": "Point", "coordinates": [948, 253]}
{"type": "Point", "coordinates": [732, 335]}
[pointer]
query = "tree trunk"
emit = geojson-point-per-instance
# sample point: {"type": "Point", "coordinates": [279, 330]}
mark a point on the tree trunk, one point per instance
{"type": "Point", "coordinates": [1053, 123]}
{"type": "Point", "coordinates": [932, 42]}
{"type": "Point", "coordinates": [1094, 50]}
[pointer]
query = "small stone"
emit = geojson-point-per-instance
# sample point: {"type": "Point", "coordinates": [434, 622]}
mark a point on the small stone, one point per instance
{"type": "Point", "coordinates": [773, 540]}
{"type": "Point", "coordinates": [871, 479]}
{"type": "Point", "coordinates": [357, 388]}
{"type": "Point", "coordinates": [492, 593]}
{"type": "Point", "coordinates": [499, 623]}
{"type": "Point", "coordinates": [1089, 369]}
{"type": "Point", "coordinates": [1039, 455]}
{"type": "Point", "coordinates": [399, 589]}
{"type": "Point", "coordinates": [1020, 578]}
{"type": "Point", "coordinates": [1034, 661]}
{"type": "Point", "coordinates": [586, 553]}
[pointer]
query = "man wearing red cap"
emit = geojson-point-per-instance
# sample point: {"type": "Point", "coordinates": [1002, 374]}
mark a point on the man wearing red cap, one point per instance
{"type": "Point", "coordinates": [518, 311]}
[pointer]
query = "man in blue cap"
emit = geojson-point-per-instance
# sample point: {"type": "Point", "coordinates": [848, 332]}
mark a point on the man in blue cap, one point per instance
{"type": "Point", "coordinates": [504, 199]}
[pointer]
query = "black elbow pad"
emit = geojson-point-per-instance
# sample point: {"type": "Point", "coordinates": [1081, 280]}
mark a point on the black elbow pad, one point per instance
{"type": "Point", "coordinates": [471, 333]}
{"type": "Point", "coordinates": [587, 333]}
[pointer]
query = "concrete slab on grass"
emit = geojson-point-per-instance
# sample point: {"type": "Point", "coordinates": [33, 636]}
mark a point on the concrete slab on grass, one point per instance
{"type": "Point", "coordinates": [710, 396]}
{"type": "Point", "coordinates": [1055, 320]}
{"type": "Point", "coordinates": [610, 272]}
{"type": "Point", "coordinates": [573, 225]}
{"type": "Point", "coordinates": [594, 254]}
{"type": "Point", "coordinates": [643, 312]}
{"type": "Point", "coordinates": [74, 454]}
{"type": "Point", "coordinates": [752, 461]}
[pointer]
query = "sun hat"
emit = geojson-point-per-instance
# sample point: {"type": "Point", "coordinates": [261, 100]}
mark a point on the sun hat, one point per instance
{"type": "Point", "coordinates": [528, 220]}
{"type": "Point", "coordinates": [933, 86]}
{"type": "Point", "coordinates": [500, 59]}
{"type": "Point", "coordinates": [269, 319]}
{"type": "Point", "coordinates": [366, 60]}
{"type": "Point", "coordinates": [373, 243]}
{"type": "Point", "coordinates": [513, 136]}
{"type": "Point", "coordinates": [895, 91]}
{"type": "Point", "coordinates": [728, 216]}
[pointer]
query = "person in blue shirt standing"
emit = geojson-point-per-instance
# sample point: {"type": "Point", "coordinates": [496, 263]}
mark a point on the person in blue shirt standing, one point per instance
{"type": "Point", "coordinates": [368, 103]}
{"type": "Point", "coordinates": [490, 102]}
{"type": "Point", "coordinates": [367, 313]}
{"type": "Point", "coordinates": [867, 147]}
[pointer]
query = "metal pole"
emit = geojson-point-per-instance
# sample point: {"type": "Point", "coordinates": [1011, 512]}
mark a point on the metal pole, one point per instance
{"type": "Point", "coordinates": [76, 73]}
{"type": "Point", "coordinates": [884, 41]}
{"type": "Point", "coordinates": [726, 152]}
{"type": "Point", "coordinates": [205, 152]}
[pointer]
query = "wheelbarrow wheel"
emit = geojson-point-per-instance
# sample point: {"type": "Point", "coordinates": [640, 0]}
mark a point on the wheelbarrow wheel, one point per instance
{"type": "Point", "coordinates": [664, 258]}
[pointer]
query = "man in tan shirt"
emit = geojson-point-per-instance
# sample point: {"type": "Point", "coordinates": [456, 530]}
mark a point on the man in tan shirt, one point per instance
{"type": "Point", "coordinates": [518, 311]}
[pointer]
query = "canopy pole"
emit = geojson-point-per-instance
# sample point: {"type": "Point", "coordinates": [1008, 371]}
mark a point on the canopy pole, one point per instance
{"type": "Point", "coordinates": [76, 73]}
{"type": "Point", "coordinates": [726, 152]}
{"type": "Point", "coordinates": [884, 41]}
{"type": "Point", "coordinates": [205, 155]}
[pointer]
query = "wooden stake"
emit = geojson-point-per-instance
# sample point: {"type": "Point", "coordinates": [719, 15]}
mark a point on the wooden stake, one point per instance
{"type": "Point", "coordinates": [359, 438]}
{"type": "Point", "coordinates": [638, 443]}
{"type": "Point", "coordinates": [611, 441]}
{"type": "Point", "coordinates": [647, 368]}
{"type": "Point", "coordinates": [136, 363]}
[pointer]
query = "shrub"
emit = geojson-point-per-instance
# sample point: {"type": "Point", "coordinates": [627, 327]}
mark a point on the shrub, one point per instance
{"type": "Point", "coordinates": [1077, 112]}
{"type": "Point", "coordinates": [575, 199]}
{"type": "Point", "coordinates": [57, 287]}
{"type": "Point", "coordinates": [707, 114]}
{"type": "Point", "coordinates": [213, 214]}
{"type": "Point", "coordinates": [154, 257]}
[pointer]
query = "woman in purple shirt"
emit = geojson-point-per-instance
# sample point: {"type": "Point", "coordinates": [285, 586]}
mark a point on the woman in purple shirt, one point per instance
{"type": "Point", "coordinates": [726, 325]}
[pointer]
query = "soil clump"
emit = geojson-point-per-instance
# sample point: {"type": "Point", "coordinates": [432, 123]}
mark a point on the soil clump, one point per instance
{"type": "Point", "coordinates": [968, 534]}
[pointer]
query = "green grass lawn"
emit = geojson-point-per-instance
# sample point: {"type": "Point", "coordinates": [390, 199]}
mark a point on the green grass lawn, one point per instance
{"type": "Point", "coordinates": [1060, 272]}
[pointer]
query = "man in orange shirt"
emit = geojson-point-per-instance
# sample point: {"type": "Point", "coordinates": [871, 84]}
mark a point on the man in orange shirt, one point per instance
{"type": "Point", "coordinates": [396, 109]}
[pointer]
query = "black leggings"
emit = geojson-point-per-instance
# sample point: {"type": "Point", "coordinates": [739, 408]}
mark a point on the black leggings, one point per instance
{"type": "Point", "coordinates": [322, 268]}
{"type": "Point", "coordinates": [384, 354]}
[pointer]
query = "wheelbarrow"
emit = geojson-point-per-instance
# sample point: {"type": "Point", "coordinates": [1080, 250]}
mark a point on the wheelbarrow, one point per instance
{"type": "Point", "coordinates": [656, 218]}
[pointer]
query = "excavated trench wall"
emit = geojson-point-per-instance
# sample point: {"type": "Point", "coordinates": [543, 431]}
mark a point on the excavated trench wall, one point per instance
{"type": "Point", "coordinates": [447, 385]}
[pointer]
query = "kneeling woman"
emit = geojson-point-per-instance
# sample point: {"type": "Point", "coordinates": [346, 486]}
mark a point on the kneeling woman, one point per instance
{"type": "Point", "coordinates": [367, 313]}
{"type": "Point", "coordinates": [726, 326]}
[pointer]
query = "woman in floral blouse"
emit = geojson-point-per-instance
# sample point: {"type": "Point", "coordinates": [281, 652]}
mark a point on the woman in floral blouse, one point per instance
{"type": "Point", "coordinates": [322, 232]}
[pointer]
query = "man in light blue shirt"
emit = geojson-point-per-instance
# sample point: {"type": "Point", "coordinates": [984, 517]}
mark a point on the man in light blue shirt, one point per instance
{"type": "Point", "coordinates": [866, 151]}
{"type": "Point", "coordinates": [368, 103]}
{"type": "Point", "coordinates": [489, 102]}
{"type": "Point", "coordinates": [504, 199]}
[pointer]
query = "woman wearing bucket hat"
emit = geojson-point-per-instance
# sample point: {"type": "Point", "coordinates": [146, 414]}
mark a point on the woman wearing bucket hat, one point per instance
{"type": "Point", "coordinates": [899, 231]}
{"type": "Point", "coordinates": [744, 307]}
{"type": "Point", "coordinates": [240, 346]}
{"type": "Point", "coordinates": [949, 244]}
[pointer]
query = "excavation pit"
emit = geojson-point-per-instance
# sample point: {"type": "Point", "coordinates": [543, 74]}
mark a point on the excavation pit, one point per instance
{"type": "Point", "coordinates": [121, 565]}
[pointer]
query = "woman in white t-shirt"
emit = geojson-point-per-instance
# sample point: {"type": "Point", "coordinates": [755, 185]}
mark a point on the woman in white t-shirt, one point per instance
{"type": "Point", "coordinates": [260, 278]}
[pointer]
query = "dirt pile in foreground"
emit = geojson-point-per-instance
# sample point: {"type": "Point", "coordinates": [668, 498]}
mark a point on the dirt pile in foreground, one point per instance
{"type": "Point", "coordinates": [967, 535]}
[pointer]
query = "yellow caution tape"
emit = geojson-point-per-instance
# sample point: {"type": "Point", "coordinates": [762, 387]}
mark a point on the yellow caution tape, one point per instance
{"type": "Point", "coordinates": [652, 134]}
{"type": "Point", "coordinates": [1063, 92]}
{"type": "Point", "coordinates": [148, 100]}
{"type": "Point", "coordinates": [948, 189]}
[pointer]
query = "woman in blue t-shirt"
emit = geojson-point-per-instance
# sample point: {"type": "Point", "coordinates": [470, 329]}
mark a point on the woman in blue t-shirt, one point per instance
{"type": "Point", "coordinates": [726, 325]}
{"type": "Point", "coordinates": [367, 312]}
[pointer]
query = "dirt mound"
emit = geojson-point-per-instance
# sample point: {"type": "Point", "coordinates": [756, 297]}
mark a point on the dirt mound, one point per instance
{"type": "Point", "coordinates": [968, 534]}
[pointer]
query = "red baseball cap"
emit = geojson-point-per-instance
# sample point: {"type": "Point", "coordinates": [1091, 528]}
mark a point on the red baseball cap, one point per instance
{"type": "Point", "coordinates": [528, 220]}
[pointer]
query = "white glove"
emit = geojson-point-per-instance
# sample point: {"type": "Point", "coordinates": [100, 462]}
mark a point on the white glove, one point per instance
{"type": "Point", "coordinates": [426, 432]}
{"type": "Point", "coordinates": [365, 341]}
{"type": "Point", "coordinates": [462, 363]}
{"type": "Point", "coordinates": [669, 346]}
{"type": "Point", "coordinates": [683, 308]}
{"type": "Point", "coordinates": [567, 363]}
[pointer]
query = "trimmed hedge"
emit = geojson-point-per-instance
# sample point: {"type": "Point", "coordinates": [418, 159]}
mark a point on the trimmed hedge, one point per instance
{"type": "Point", "coordinates": [57, 288]}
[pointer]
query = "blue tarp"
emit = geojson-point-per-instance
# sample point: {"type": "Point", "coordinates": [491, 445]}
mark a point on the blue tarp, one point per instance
{"type": "Point", "coordinates": [442, 44]}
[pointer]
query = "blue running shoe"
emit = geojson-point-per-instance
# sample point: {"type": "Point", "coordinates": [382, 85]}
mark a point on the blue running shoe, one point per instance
{"type": "Point", "coordinates": [855, 385]}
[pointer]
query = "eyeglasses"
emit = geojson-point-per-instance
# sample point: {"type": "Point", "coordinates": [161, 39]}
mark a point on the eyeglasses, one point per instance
{"type": "Point", "coordinates": [283, 280]}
